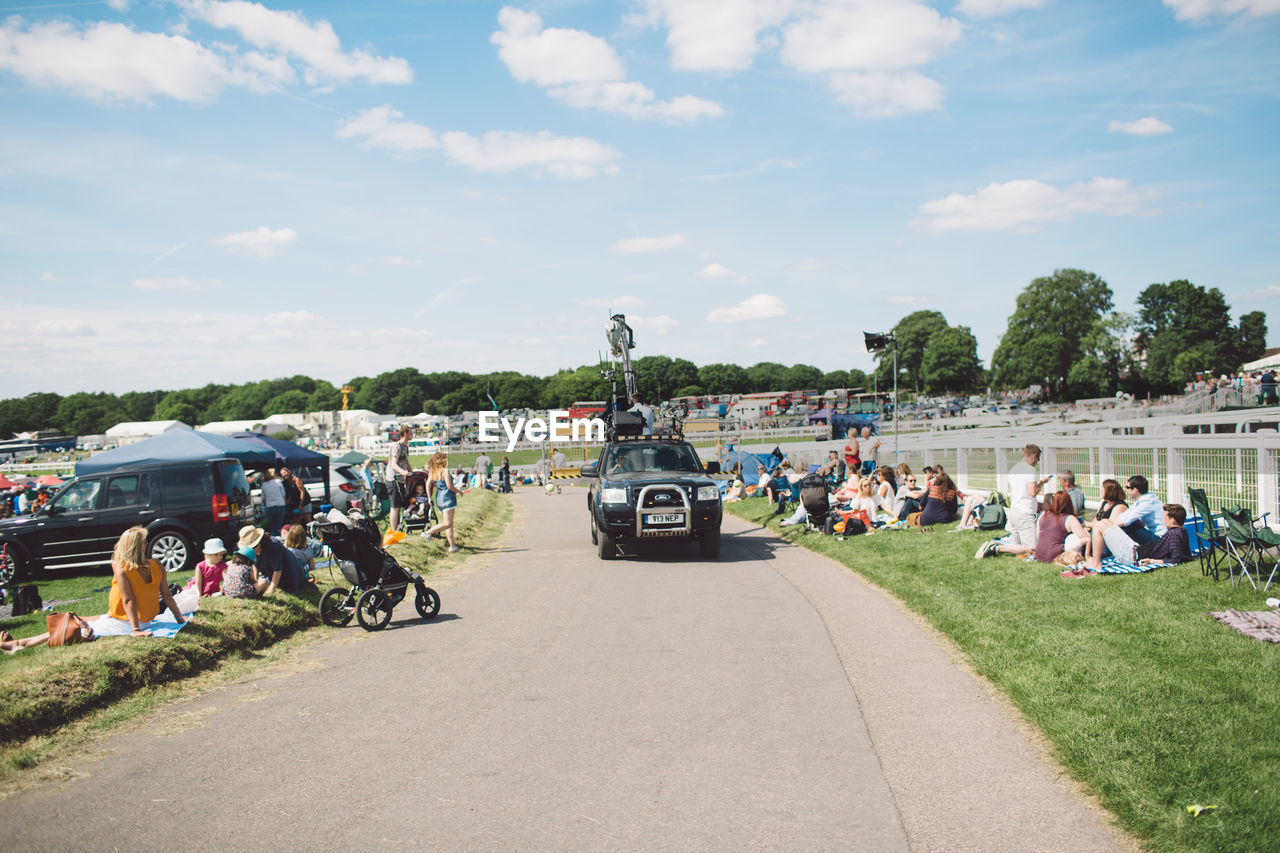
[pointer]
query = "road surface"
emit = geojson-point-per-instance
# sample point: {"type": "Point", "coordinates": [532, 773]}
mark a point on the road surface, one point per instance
{"type": "Point", "coordinates": [768, 699]}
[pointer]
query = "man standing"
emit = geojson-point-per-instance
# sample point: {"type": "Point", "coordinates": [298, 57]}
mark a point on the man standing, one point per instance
{"type": "Point", "coordinates": [1024, 488]}
{"type": "Point", "coordinates": [647, 413]}
{"type": "Point", "coordinates": [482, 469]}
{"type": "Point", "coordinates": [1267, 387]}
{"type": "Point", "coordinates": [397, 470]}
{"type": "Point", "coordinates": [870, 451]}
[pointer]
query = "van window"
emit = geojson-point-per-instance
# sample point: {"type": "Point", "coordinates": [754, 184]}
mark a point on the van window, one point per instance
{"type": "Point", "coordinates": [79, 496]}
{"type": "Point", "coordinates": [128, 490]}
{"type": "Point", "coordinates": [234, 483]}
{"type": "Point", "coordinates": [187, 484]}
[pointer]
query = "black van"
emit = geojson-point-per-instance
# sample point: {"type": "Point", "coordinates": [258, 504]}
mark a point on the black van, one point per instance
{"type": "Point", "coordinates": [180, 503]}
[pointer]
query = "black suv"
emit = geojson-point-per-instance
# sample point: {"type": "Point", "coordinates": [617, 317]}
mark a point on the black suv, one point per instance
{"type": "Point", "coordinates": [652, 488]}
{"type": "Point", "coordinates": [180, 503]}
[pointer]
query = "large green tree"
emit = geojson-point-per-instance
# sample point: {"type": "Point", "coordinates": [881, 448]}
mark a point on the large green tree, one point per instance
{"type": "Point", "coordinates": [723, 378]}
{"type": "Point", "coordinates": [950, 364]}
{"type": "Point", "coordinates": [1045, 334]}
{"type": "Point", "coordinates": [766, 376]}
{"type": "Point", "coordinates": [1106, 358]}
{"type": "Point", "coordinates": [912, 332]}
{"type": "Point", "coordinates": [1251, 337]}
{"type": "Point", "coordinates": [1182, 329]}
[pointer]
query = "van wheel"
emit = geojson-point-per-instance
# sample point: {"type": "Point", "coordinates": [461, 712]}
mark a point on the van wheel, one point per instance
{"type": "Point", "coordinates": [709, 544]}
{"type": "Point", "coordinates": [13, 566]}
{"type": "Point", "coordinates": [172, 550]}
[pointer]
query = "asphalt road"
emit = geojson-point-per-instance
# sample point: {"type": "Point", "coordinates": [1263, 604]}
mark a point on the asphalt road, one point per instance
{"type": "Point", "coordinates": [768, 699]}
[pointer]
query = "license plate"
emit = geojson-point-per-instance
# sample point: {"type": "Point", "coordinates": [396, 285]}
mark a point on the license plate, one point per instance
{"type": "Point", "coordinates": [665, 518]}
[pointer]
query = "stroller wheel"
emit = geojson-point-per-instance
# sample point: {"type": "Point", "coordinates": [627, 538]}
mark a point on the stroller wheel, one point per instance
{"type": "Point", "coordinates": [373, 610]}
{"type": "Point", "coordinates": [427, 602]}
{"type": "Point", "coordinates": [337, 606]}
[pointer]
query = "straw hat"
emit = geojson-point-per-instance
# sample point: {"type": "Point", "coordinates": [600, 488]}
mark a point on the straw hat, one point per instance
{"type": "Point", "coordinates": [250, 536]}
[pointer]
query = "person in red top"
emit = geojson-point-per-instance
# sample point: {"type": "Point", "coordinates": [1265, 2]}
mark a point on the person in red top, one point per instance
{"type": "Point", "coordinates": [209, 571]}
{"type": "Point", "coordinates": [852, 459]}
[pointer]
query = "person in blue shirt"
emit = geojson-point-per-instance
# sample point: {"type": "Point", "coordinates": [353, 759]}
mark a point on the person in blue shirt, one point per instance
{"type": "Point", "coordinates": [1142, 523]}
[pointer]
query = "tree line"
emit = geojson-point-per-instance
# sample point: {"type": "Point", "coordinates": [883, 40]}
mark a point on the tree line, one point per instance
{"type": "Point", "coordinates": [1064, 335]}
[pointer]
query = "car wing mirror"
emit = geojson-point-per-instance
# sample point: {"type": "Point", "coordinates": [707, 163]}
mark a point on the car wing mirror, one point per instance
{"type": "Point", "coordinates": [588, 470]}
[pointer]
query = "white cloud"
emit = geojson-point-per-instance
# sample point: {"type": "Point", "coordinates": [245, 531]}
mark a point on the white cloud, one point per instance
{"type": "Point", "coordinates": [506, 151]}
{"type": "Point", "coordinates": [386, 128]}
{"type": "Point", "coordinates": [51, 278]}
{"type": "Point", "coordinates": [316, 45]}
{"type": "Point", "coordinates": [1271, 291]}
{"type": "Point", "coordinates": [1025, 205]}
{"type": "Point", "coordinates": [715, 271]}
{"type": "Point", "coordinates": [660, 324]}
{"type": "Point", "coordinates": [110, 61]}
{"type": "Point", "coordinates": [867, 35]}
{"type": "Point", "coordinates": [878, 95]}
{"type": "Point", "coordinates": [299, 317]}
{"type": "Point", "coordinates": [762, 306]}
{"type": "Point", "coordinates": [757, 343]}
{"type": "Point", "coordinates": [496, 151]}
{"type": "Point", "coordinates": [119, 5]}
{"type": "Point", "coordinates": [583, 70]}
{"type": "Point", "coordinates": [623, 303]}
{"type": "Point", "coordinates": [261, 241]}
{"type": "Point", "coordinates": [1195, 10]}
{"type": "Point", "coordinates": [635, 245]}
{"type": "Point", "coordinates": [399, 261]}
{"type": "Point", "coordinates": [1149, 126]}
{"type": "Point", "coordinates": [714, 35]}
{"type": "Point", "coordinates": [63, 329]}
{"type": "Point", "coordinates": [990, 8]}
{"type": "Point", "coordinates": [173, 283]}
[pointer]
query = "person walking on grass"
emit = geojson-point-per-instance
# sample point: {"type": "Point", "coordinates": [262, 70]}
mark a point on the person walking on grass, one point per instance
{"type": "Point", "coordinates": [446, 497]}
{"type": "Point", "coordinates": [397, 470]}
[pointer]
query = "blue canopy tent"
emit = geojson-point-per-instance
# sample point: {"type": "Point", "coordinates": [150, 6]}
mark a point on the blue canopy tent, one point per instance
{"type": "Point", "coordinates": [286, 454]}
{"type": "Point", "coordinates": [841, 424]}
{"type": "Point", "coordinates": [176, 445]}
{"type": "Point", "coordinates": [748, 461]}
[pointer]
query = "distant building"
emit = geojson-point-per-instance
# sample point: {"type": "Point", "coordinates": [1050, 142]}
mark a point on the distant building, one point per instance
{"type": "Point", "coordinates": [230, 427]}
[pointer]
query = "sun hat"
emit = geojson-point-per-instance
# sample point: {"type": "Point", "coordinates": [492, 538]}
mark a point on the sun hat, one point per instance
{"type": "Point", "coordinates": [250, 536]}
{"type": "Point", "coordinates": [214, 546]}
{"type": "Point", "coordinates": [246, 551]}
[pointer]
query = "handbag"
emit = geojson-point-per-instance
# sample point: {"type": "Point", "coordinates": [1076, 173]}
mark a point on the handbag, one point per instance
{"type": "Point", "coordinates": [67, 629]}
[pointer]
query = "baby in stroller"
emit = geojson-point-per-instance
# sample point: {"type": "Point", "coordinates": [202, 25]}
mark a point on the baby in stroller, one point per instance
{"type": "Point", "coordinates": [378, 582]}
{"type": "Point", "coordinates": [421, 509]}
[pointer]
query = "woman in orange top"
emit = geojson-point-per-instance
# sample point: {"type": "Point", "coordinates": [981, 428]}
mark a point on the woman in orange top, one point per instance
{"type": "Point", "coordinates": [139, 584]}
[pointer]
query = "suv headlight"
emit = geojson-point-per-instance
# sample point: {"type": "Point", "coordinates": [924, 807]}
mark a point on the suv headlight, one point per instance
{"type": "Point", "coordinates": [613, 496]}
{"type": "Point", "coordinates": [708, 493]}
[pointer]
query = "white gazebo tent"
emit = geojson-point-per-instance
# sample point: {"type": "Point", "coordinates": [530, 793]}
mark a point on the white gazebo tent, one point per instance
{"type": "Point", "coordinates": [1270, 359]}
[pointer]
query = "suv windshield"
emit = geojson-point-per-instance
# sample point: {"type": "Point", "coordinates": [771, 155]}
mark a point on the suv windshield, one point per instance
{"type": "Point", "coordinates": [651, 458]}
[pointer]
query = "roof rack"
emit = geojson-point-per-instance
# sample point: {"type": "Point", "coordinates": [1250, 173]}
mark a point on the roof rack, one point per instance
{"type": "Point", "coordinates": [656, 435]}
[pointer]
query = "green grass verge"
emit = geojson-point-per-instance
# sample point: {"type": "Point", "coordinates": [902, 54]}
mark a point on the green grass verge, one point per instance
{"type": "Point", "coordinates": [42, 689]}
{"type": "Point", "coordinates": [1146, 700]}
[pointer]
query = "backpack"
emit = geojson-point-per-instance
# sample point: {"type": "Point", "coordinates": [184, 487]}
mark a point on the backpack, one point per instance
{"type": "Point", "coordinates": [992, 517]}
{"type": "Point", "coordinates": [997, 498]}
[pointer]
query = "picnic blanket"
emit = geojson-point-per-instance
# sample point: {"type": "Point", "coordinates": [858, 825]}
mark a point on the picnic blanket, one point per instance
{"type": "Point", "coordinates": [1262, 625]}
{"type": "Point", "coordinates": [1111, 566]}
{"type": "Point", "coordinates": [164, 625]}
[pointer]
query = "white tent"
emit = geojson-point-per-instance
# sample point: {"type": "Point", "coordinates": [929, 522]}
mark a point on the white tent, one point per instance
{"type": "Point", "coordinates": [1270, 358]}
{"type": "Point", "coordinates": [130, 431]}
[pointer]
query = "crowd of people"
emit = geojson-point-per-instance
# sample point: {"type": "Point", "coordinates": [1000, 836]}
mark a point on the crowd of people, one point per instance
{"type": "Point", "coordinates": [1131, 525]}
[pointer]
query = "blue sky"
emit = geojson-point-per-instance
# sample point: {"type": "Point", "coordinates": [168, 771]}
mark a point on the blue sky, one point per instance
{"type": "Point", "coordinates": [204, 191]}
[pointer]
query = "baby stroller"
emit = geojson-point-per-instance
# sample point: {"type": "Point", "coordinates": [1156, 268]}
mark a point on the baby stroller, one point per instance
{"type": "Point", "coordinates": [378, 582]}
{"type": "Point", "coordinates": [418, 514]}
{"type": "Point", "coordinates": [817, 503]}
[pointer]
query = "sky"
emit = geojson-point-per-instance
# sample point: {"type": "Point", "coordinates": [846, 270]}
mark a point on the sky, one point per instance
{"type": "Point", "coordinates": [200, 191]}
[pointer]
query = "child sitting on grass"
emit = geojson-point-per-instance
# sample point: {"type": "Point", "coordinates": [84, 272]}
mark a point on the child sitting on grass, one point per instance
{"type": "Point", "coordinates": [241, 579]}
{"type": "Point", "coordinates": [209, 571]}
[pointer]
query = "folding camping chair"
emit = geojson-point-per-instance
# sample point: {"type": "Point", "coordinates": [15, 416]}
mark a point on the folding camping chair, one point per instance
{"type": "Point", "coordinates": [1242, 533]}
{"type": "Point", "coordinates": [1213, 541]}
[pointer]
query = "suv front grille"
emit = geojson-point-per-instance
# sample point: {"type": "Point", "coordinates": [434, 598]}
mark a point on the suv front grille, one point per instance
{"type": "Point", "coordinates": [664, 498]}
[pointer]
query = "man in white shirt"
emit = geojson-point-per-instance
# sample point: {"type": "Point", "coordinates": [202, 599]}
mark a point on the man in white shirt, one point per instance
{"type": "Point", "coordinates": [482, 469]}
{"type": "Point", "coordinates": [646, 412]}
{"type": "Point", "coordinates": [1024, 487]}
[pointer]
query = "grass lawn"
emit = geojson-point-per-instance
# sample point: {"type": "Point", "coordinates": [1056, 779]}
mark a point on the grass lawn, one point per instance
{"type": "Point", "coordinates": [42, 689]}
{"type": "Point", "coordinates": [1148, 701]}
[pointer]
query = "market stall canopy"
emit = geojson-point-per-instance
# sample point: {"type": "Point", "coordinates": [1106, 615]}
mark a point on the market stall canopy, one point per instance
{"type": "Point", "coordinates": [1270, 359]}
{"type": "Point", "coordinates": [6, 483]}
{"type": "Point", "coordinates": [179, 445]}
{"type": "Point", "coordinates": [49, 480]}
{"type": "Point", "coordinates": [287, 454]}
{"type": "Point", "coordinates": [351, 457]}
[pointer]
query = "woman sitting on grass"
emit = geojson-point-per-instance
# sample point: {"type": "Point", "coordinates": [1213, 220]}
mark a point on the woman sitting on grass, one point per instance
{"type": "Point", "coordinates": [940, 507]}
{"type": "Point", "coordinates": [1055, 523]}
{"type": "Point", "coordinates": [137, 587]}
{"type": "Point", "coordinates": [295, 539]}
